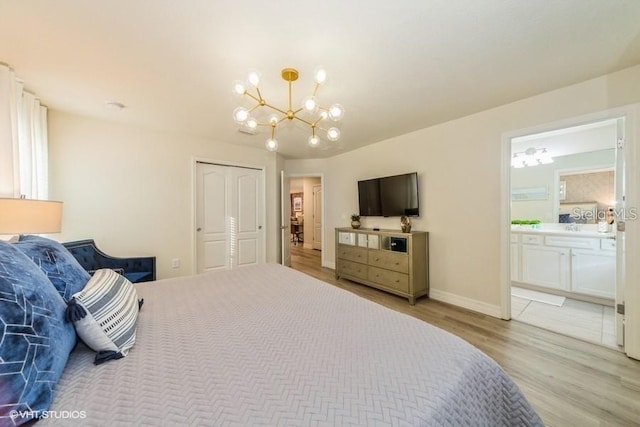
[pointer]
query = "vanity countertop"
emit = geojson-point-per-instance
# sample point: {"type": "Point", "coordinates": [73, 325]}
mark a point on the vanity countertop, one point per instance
{"type": "Point", "coordinates": [586, 230]}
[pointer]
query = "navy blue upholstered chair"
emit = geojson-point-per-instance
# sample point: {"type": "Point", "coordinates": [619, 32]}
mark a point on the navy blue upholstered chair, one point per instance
{"type": "Point", "coordinates": [136, 269]}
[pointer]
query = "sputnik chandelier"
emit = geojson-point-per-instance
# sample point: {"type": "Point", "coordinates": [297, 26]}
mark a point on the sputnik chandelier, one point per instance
{"type": "Point", "coordinates": [316, 115]}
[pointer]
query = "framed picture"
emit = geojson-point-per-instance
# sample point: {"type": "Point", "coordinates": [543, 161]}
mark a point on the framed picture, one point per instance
{"type": "Point", "coordinates": [530, 193]}
{"type": "Point", "coordinates": [296, 202]}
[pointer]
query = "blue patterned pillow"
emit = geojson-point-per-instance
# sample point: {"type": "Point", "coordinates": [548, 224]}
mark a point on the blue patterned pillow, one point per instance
{"type": "Point", "coordinates": [64, 271]}
{"type": "Point", "coordinates": [35, 340]}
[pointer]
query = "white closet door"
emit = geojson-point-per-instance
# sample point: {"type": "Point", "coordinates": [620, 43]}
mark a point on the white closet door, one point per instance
{"type": "Point", "coordinates": [229, 215]}
{"type": "Point", "coordinates": [212, 214]}
{"type": "Point", "coordinates": [246, 218]}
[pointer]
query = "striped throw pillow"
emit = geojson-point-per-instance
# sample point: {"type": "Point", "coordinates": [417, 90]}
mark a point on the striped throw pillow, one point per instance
{"type": "Point", "coordinates": [104, 314]}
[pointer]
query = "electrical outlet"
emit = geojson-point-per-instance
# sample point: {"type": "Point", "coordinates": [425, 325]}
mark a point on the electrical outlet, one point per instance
{"type": "Point", "coordinates": [175, 263]}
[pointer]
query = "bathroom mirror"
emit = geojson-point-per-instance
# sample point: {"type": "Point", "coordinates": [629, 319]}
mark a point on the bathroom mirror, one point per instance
{"type": "Point", "coordinates": [557, 172]}
{"type": "Point", "coordinates": [585, 195]}
{"type": "Point", "coordinates": [581, 178]}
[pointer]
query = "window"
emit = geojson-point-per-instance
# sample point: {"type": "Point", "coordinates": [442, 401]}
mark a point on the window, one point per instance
{"type": "Point", "coordinates": [23, 140]}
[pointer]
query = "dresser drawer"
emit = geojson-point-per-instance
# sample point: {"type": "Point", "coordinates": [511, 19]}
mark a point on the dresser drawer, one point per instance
{"type": "Point", "coordinates": [354, 269]}
{"type": "Point", "coordinates": [396, 261]}
{"type": "Point", "coordinates": [389, 279]}
{"type": "Point", "coordinates": [352, 253]}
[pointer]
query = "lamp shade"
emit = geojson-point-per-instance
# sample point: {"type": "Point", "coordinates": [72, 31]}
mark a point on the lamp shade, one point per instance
{"type": "Point", "coordinates": [21, 216]}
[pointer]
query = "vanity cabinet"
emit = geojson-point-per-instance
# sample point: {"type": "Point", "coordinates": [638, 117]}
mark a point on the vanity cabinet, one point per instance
{"type": "Point", "coordinates": [568, 263]}
{"type": "Point", "coordinates": [593, 273]}
{"type": "Point", "coordinates": [515, 258]}
{"type": "Point", "coordinates": [389, 260]}
{"type": "Point", "coordinates": [545, 266]}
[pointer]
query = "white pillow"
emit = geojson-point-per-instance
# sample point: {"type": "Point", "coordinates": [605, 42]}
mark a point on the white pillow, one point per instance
{"type": "Point", "coordinates": [105, 313]}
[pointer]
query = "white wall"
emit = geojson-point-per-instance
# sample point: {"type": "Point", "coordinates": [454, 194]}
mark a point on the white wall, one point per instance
{"type": "Point", "coordinates": [460, 165]}
{"type": "Point", "coordinates": [130, 189]}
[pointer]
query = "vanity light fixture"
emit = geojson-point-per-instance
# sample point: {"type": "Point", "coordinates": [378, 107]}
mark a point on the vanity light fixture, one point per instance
{"type": "Point", "coordinates": [315, 114]}
{"type": "Point", "coordinates": [531, 157]}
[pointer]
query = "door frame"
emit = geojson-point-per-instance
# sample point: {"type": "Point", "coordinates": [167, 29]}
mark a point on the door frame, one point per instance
{"type": "Point", "coordinates": [313, 190]}
{"type": "Point", "coordinates": [322, 185]}
{"type": "Point", "coordinates": [285, 220]}
{"type": "Point", "coordinates": [194, 181]}
{"type": "Point", "coordinates": [632, 290]}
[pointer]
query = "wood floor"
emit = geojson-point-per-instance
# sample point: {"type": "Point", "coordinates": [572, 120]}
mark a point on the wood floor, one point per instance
{"type": "Point", "coordinates": [569, 382]}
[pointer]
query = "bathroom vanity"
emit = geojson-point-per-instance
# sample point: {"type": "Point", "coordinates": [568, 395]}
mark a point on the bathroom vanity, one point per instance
{"type": "Point", "coordinates": [578, 261]}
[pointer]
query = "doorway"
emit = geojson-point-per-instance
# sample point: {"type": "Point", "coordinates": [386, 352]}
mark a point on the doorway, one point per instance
{"type": "Point", "coordinates": [565, 252]}
{"type": "Point", "coordinates": [303, 220]}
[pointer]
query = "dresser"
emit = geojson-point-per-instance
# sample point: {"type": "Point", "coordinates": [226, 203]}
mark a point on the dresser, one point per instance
{"type": "Point", "coordinates": [388, 260]}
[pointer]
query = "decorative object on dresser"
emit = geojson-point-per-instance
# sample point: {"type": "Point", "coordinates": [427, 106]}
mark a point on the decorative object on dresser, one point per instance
{"type": "Point", "coordinates": [405, 223]}
{"type": "Point", "coordinates": [355, 221]}
{"type": "Point", "coordinates": [135, 269]}
{"type": "Point", "coordinates": [389, 260]}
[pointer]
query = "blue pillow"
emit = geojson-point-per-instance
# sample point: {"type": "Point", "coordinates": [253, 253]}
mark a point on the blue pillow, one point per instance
{"type": "Point", "coordinates": [64, 271]}
{"type": "Point", "coordinates": [35, 340]}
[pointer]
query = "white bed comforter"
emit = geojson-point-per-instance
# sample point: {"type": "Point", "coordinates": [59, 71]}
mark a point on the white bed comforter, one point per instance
{"type": "Point", "coordinates": [269, 346]}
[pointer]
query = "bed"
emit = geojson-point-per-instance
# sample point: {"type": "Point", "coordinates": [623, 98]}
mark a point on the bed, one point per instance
{"type": "Point", "coordinates": [267, 345]}
{"type": "Point", "coordinates": [256, 346]}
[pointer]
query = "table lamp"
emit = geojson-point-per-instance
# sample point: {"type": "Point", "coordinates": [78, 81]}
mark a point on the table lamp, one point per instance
{"type": "Point", "coordinates": [21, 216]}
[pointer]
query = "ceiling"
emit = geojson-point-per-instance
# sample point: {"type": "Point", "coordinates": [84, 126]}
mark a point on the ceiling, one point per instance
{"type": "Point", "coordinates": [590, 137]}
{"type": "Point", "coordinates": [395, 66]}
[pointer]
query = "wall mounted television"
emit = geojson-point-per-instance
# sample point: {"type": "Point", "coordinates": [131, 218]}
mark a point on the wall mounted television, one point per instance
{"type": "Point", "coordinates": [389, 196]}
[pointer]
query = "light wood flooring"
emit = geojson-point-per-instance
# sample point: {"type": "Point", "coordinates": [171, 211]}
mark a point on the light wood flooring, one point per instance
{"type": "Point", "coordinates": [568, 381]}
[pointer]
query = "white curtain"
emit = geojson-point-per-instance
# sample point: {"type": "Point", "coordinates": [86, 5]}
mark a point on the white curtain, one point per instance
{"type": "Point", "coordinates": [23, 140]}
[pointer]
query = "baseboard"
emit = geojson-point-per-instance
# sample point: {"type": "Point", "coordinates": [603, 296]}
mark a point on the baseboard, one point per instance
{"type": "Point", "coordinates": [453, 299]}
{"type": "Point", "coordinates": [468, 303]}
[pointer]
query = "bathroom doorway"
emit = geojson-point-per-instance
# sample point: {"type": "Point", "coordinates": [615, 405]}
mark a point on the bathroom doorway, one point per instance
{"type": "Point", "coordinates": [566, 198]}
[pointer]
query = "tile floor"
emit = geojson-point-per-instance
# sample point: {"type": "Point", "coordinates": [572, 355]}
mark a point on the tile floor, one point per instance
{"type": "Point", "coordinates": [590, 322]}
